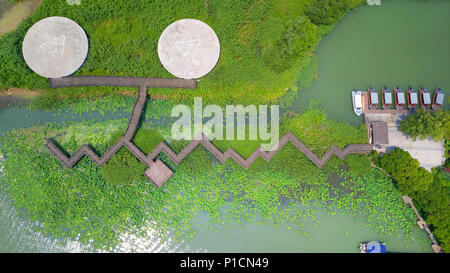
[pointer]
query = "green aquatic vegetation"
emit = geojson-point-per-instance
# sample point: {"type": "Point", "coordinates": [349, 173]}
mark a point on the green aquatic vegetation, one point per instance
{"type": "Point", "coordinates": [320, 132]}
{"type": "Point", "coordinates": [114, 103]}
{"type": "Point", "coordinates": [83, 132]}
{"type": "Point", "coordinates": [124, 168]}
{"type": "Point", "coordinates": [375, 196]}
{"type": "Point", "coordinates": [85, 203]}
{"type": "Point", "coordinates": [147, 139]}
{"type": "Point", "coordinates": [317, 131]}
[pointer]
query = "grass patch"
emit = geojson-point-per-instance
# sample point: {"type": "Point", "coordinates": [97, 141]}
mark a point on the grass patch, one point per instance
{"type": "Point", "coordinates": [256, 36]}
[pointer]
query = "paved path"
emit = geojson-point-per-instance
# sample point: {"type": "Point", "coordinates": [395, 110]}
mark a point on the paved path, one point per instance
{"type": "Point", "coordinates": [428, 152]}
{"type": "Point", "coordinates": [148, 160]}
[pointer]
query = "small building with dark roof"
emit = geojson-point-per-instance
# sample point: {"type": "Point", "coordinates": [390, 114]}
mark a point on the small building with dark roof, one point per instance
{"type": "Point", "coordinates": [440, 98]}
{"type": "Point", "coordinates": [426, 98]}
{"type": "Point", "coordinates": [388, 98]}
{"type": "Point", "coordinates": [379, 131]}
{"type": "Point", "coordinates": [373, 98]}
{"type": "Point", "coordinates": [413, 98]}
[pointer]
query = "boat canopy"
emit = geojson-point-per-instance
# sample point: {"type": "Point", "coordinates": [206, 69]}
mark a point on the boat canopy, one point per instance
{"type": "Point", "coordinates": [375, 247]}
{"type": "Point", "coordinates": [413, 97]}
{"type": "Point", "coordinates": [358, 101]}
{"type": "Point", "coordinates": [388, 98]}
{"type": "Point", "coordinates": [374, 98]}
{"type": "Point", "coordinates": [440, 98]}
{"type": "Point", "coordinates": [401, 97]}
{"type": "Point", "coordinates": [426, 98]}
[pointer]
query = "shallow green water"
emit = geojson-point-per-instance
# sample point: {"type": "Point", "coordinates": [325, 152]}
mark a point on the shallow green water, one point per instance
{"type": "Point", "coordinates": [401, 42]}
{"type": "Point", "coordinates": [14, 117]}
{"type": "Point", "coordinates": [339, 233]}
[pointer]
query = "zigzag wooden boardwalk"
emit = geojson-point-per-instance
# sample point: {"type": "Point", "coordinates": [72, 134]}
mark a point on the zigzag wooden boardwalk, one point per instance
{"type": "Point", "coordinates": [205, 142]}
{"type": "Point", "coordinates": [259, 152]}
{"type": "Point", "coordinates": [157, 173]}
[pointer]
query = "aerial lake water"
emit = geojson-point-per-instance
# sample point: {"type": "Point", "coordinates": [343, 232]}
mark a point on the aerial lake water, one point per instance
{"type": "Point", "coordinates": [399, 43]}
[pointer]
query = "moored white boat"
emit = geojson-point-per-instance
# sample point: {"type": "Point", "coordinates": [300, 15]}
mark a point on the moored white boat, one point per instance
{"type": "Point", "coordinates": [357, 102]}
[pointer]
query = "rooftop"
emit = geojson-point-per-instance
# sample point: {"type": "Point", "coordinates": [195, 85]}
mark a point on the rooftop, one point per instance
{"type": "Point", "coordinates": [388, 98]}
{"type": "Point", "coordinates": [413, 98]}
{"type": "Point", "coordinates": [374, 98]}
{"type": "Point", "coordinates": [426, 98]}
{"type": "Point", "coordinates": [401, 97]}
{"type": "Point", "coordinates": [440, 98]}
{"type": "Point", "coordinates": [379, 132]}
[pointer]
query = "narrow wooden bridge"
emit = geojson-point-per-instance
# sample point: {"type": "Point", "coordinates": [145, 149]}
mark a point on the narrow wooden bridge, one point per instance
{"type": "Point", "coordinates": [123, 81]}
{"type": "Point", "coordinates": [158, 172]}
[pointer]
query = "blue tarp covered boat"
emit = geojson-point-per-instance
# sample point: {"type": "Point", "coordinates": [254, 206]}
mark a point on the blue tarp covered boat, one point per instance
{"type": "Point", "coordinates": [372, 247]}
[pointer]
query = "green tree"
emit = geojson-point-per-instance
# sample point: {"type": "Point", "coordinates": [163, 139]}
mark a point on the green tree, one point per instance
{"type": "Point", "coordinates": [425, 124]}
{"type": "Point", "coordinates": [296, 40]}
{"type": "Point", "coordinates": [434, 204]}
{"type": "Point", "coordinates": [328, 12]}
{"type": "Point", "coordinates": [420, 181]}
{"type": "Point", "coordinates": [406, 172]}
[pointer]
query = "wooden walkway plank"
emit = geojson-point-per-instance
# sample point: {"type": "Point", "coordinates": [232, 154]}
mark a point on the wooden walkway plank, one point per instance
{"type": "Point", "coordinates": [123, 81]}
{"type": "Point", "coordinates": [136, 115]}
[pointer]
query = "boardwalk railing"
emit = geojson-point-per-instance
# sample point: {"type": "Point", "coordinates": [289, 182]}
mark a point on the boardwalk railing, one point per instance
{"type": "Point", "coordinates": [157, 172]}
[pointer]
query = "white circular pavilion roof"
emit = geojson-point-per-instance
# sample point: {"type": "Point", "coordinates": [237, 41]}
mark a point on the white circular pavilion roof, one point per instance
{"type": "Point", "coordinates": [189, 48]}
{"type": "Point", "coordinates": [55, 47]}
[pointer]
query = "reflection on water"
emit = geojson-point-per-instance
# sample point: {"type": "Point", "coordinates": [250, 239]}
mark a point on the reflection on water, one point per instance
{"type": "Point", "coordinates": [6, 101]}
{"type": "Point", "coordinates": [17, 234]}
